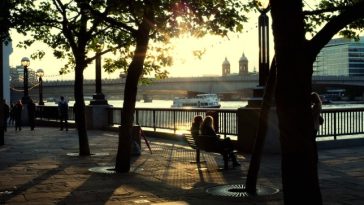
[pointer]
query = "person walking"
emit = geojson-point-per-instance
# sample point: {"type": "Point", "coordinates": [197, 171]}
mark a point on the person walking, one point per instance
{"type": "Point", "coordinates": [6, 115]}
{"type": "Point", "coordinates": [31, 114]}
{"type": "Point", "coordinates": [12, 115]}
{"type": "Point", "coordinates": [17, 115]}
{"type": "Point", "coordinates": [225, 144]}
{"type": "Point", "coordinates": [63, 113]}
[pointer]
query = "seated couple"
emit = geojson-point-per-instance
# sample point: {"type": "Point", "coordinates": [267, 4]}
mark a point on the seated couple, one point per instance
{"type": "Point", "coordinates": [205, 127]}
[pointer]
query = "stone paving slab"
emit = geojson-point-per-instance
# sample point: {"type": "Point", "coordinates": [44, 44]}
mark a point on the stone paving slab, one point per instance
{"type": "Point", "coordinates": [35, 169]}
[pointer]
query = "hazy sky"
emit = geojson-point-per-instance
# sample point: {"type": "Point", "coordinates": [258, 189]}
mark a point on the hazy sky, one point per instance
{"type": "Point", "coordinates": [185, 64]}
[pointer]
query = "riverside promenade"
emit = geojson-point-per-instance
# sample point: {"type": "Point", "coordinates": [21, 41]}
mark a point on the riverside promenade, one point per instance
{"type": "Point", "coordinates": [35, 169]}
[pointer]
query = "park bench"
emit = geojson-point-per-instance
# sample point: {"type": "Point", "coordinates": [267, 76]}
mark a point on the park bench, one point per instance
{"type": "Point", "coordinates": [202, 143]}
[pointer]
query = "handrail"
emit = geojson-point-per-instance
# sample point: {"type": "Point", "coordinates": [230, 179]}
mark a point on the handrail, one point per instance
{"type": "Point", "coordinates": [337, 121]}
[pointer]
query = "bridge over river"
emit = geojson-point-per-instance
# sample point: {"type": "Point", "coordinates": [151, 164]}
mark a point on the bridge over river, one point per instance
{"type": "Point", "coordinates": [227, 87]}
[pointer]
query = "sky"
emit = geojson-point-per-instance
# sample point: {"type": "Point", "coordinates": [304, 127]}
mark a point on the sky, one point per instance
{"type": "Point", "coordinates": [185, 64]}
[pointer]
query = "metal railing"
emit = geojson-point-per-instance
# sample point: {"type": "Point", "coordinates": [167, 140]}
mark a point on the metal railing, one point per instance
{"type": "Point", "coordinates": [178, 118]}
{"type": "Point", "coordinates": [50, 113]}
{"type": "Point", "coordinates": [342, 121]}
{"type": "Point", "coordinates": [337, 122]}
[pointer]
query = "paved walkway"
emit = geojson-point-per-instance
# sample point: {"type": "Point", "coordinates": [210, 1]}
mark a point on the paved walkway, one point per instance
{"type": "Point", "coordinates": [34, 169]}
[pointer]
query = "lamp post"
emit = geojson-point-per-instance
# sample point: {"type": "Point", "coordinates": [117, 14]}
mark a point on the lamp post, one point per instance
{"type": "Point", "coordinates": [263, 34]}
{"type": "Point", "coordinates": [25, 62]}
{"type": "Point", "coordinates": [98, 98]}
{"type": "Point", "coordinates": [263, 30]}
{"type": "Point", "coordinates": [40, 74]}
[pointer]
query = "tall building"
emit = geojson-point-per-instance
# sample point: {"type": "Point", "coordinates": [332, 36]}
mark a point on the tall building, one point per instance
{"type": "Point", "coordinates": [7, 50]}
{"type": "Point", "coordinates": [341, 57]}
{"type": "Point", "coordinates": [17, 75]}
{"type": "Point", "coordinates": [243, 65]}
{"type": "Point", "coordinates": [225, 67]}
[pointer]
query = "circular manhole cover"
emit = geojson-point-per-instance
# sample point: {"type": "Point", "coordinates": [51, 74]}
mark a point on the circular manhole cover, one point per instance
{"type": "Point", "coordinates": [76, 154]}
{"type": "Point", "coordinates": [239, 191]}
{"type": "Point", "coordinates": [111, 169]}
{"type": "Point", "coordinates": [103, 170]}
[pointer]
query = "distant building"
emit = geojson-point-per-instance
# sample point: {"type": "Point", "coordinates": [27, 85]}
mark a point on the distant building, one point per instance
{"type": "Point", "coordinates": [225, 67]}
{"type": "Point", "coordinates": [341, 57]}
{"type": "Point", "coordinates": [243, 66]}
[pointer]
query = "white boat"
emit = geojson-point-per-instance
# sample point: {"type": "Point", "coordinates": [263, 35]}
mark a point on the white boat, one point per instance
{"type": "Point", "coordinates": [200, 101]}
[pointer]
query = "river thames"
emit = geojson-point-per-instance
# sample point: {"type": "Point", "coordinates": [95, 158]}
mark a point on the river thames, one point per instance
{"type": "Point", "coordinates": [224, 104]}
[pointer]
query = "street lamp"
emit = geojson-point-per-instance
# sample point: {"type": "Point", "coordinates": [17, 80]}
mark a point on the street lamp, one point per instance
{"type": "Point", "coordinates": [98, 98]}
{"type": "Point", "coordinates": [25, 62]}
{"type": "Point", "coordinates": [263, 29]}
{"type": "Point", "coordinates": [40, 74]}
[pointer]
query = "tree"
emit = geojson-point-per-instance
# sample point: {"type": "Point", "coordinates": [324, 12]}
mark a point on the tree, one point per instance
{"type": "Point", "coordinates": [71, 28]}
{"type": "Point", "coordinates": [294, 56]}
{"type": "Point", "coordinates": [158, 21]}
{"type": "Point", "coordinates": [68, 28]}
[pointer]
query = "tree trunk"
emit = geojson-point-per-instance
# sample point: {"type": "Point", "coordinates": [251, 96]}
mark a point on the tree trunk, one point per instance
{"type": "Point", "coordinates": [294, 70]}
{"type": "Point", "coordinates": [79, 108]}
{"type": "Point", "coordinates": [135, 69]}
{"type": "Point", "coordinates": [252, 177]}
{"type": "Point", "coordinates": [2, 140]}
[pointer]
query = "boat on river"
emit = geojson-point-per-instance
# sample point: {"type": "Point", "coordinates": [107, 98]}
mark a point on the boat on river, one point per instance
{"type": "Point", "coordinates": [200, 101]}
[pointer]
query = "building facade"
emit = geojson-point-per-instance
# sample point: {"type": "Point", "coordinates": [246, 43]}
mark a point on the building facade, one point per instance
{"type": "Point", "coordinates": [7, 50]}
{"type": "Point", "coordinates": [341, 57]}
{"type": "Point", "coordinates": [243, 66]}
{"type": "Point", "coordinates": [225, 67]}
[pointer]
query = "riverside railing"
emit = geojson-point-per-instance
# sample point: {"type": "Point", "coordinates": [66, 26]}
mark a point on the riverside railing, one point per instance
{"type": "Point", "coordinates": [342, 121]}
{"type": "Point", "coordinates": [337, 122]}
{"type": "Point", "coordinates": [50, 113]}
{"type": "Point", "coordinates": [178, 119]}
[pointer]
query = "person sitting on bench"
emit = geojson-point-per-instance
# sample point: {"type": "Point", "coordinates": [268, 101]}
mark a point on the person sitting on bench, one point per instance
{"type": "Point", "coordinates": [196, 124]}
{"type": "Point", "coordinates": [225, 144]}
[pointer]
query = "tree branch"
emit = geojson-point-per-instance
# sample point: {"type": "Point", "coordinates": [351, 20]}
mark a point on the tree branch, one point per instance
{"type": "Point", "coordinates": [65, 24]}
{"type": "Point", "coordinates": [110, 20]}
{"type": "Point", "coordinates": [334, 26]}
{"type": "Point", "coordinates": [327, 10]}
{"type": "Point", "coordinates": [89, 60]}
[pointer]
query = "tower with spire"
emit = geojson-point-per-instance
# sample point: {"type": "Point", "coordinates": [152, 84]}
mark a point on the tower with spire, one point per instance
{"type": "Point", "coordinates": [225, 67]}
{"type": "Point", "coordinates": [243, 65]}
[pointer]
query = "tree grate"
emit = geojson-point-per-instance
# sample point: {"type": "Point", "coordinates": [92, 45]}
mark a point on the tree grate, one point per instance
{"type": "Point", "coordinates": [239, 191]}
{"type": "Point", "coordinates": [99, 154]}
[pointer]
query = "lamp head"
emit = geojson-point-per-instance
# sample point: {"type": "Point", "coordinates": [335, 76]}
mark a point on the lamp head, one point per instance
{"type": "Point", "coordinates": [40, 72]}
{"type": "Point", "coordinates": [263, 6]}
{"type": "Point", "coordinates": [25, 62]}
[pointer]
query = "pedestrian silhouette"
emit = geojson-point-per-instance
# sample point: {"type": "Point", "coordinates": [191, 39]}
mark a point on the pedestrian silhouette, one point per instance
{"type": "Point", "coordinates": [17, 114]}
{"type": "Point", "coordinates": [63, 113]}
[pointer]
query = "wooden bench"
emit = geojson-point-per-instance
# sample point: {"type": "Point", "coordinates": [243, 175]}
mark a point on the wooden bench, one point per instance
{"type": "Point", "coordinates": [202, 142]}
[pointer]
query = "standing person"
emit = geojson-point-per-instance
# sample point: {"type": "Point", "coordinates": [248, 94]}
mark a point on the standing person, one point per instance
{"type": "Point", "coordinates": [31, 114]}
{"type": "Point", "coordinates": [316, 107]}
{"type": "Point", "coordinates": [196, 124]}
{"type": "Point", "coordinates": [17, 115]}
{"type": "Point", "coordinates": [225, 144]}
{"type": "Point", "coordinates": [6, 115]}
{"type": "Point", "coordinates": [63, 112]}
{"type": "Point", "coordinates": [12, 115]}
